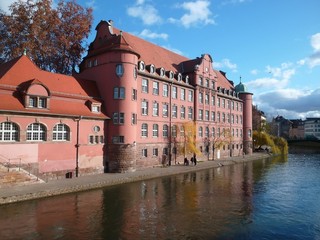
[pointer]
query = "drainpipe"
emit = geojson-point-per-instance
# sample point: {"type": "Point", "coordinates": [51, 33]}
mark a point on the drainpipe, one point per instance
{"type": "Point", "coordinates": [77, 145]}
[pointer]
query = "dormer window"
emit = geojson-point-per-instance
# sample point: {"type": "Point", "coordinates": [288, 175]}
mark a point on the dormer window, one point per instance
{"type": "Point", "coordinates": [171, 75]}
{"type": "Point", "coordinates": [37, 96]}
{"type": "Point", "coordinates": [119, 70]}
{"type": "Point", "coordinates": [152, 68]}
{"type": "Point", "coordinates": [141, 66]}
{"type": "Point", "coordinates": [95, 62]}
{"type": "Point", "coordinates": [187, 79]}
{"type": "Point", "coordinates": [162, 72]}
{"type": "Point", "coordinates": [179, 77]}
{"type": "Point", "coordinates": [96, 108]}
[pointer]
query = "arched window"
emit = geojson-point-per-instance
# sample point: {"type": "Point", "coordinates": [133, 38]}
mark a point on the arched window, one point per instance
{"type": "Point", "coordinates": [9, 132]}
{"type": "Point", "coordinates": [165, 130]}
{"type": "Point", "coordinates": [200, 131]}
{"type": "Point", "coordinates": [61, 132]}
{"type": "Point", "coordinates": [36, 132]}
{"type": "Point", "coordinates": [155, 130]}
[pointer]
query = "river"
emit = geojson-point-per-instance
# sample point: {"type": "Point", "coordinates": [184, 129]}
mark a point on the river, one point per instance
{"type": "Point", "coordinates": [276, 198]}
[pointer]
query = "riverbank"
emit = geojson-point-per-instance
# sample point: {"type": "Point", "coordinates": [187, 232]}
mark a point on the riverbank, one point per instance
{"type": "Point", "coordinates": [63, 186]}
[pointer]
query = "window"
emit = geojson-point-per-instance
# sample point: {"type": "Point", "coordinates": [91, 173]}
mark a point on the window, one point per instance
{"type": "Point", "coordinates": [118, 139]}
{"type": "Point", "coordinates": [95, 108]}
{"type": "Point", "coordinates": [213, 117]}
{"type": "Point", "coordinates": [200, 97]}
{"type": "Point", "coordinates": [190, 113]}
{"type": "Point", "coordinates": [36, 132]}
{"type": "Point", "coordinates": [144, 107]}
{"type": "Point", "coordinates": [145, 85]}
{"type": "Point", "coordinates": [133, 118]}
{"type": "Point", "coordinates": [174, 131]}
{"type": "Point", "coordinates": [134, 94]}
{"type": "Point", "coordinates": [182, 112]}
{"type": "Point", "coordinates": [155, 130]}
{"type": "Point", "coordinates": [183, 94]}
{"type": "Point", "coordinates": [144, 152]}
{"type": "Point", "coordinates": [95, 62]}
{"type": "Point", "coordinates": [165, 108]}
{"type": "Point", "coordinates": [212, 84]}
{"type": "Point", "coordinates": [9, 132]}
{"type": "Point", "coordinates": [165, 90]}
{"type": "Point", "coordinates": [200, 81]}
{"type": "Point", "coordinates": [96, 129]}
{"type": "Point", "coordinates": [213, 132]}
{"type": "Point", "coordinates": [155, 152]}
{"type": "Point", "coordinates": [142, 66]}
{"type": "Point", "coordinates": [174, 92]}
{"type": "Point", "coordinates": [200, 114]}
{"type": "Point", "coordinates": [155, 109]}
{"type": "Point", "coordinates": [223, 103]}
{"type": "Point", "coordinates": [182, 131]}
{"type": "Point", "coordinates": [95, 139]}
{"type": "Point", "coordinates": [61, 132]}
{"type": "Point", "coordinates": [144, 130]}
{"type": "Point", "coordinates": [200, 132]}
{"type": "Point", "coordinates": [213, 100]}
{"type": "Point", "coordinates": [174, 111]}
{"type": "Point", "coordinates": [218, 102]}
{"type": "Point", "coordinates": [207, 132]}
{"type": "Point", "coordinates": [37, 102]}
{"type": "Point", "coordinates": [207, 115]}
{"type": "Point", "coordinates": [165, 130]}
{"type": "Point", "coordinates": [190, 95]}
{"type": "Point", "coordinates": [206, 100]}
{"type": "Point", "coordinates": [155, 89]}
{"type": "Point", "coordinates": [223, 117]}
{"type": "Point", "coordinates": [207, 83]}
{"type": "Point", "coordinates": [118, 118]}
{"type": "Point", "coordinates": [118, 93]}
{"type": "Point", "coordinates": [119, 70]}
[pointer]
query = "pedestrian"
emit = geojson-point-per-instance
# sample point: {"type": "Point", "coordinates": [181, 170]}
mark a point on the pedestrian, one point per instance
{"type": "Point", "coordinates": [195, 160]}
{"type": "Point", "coordinates": [186, 162]}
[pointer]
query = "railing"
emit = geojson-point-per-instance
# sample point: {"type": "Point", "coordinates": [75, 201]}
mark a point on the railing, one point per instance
{"type": "Point", "coordinates": [13, 163]}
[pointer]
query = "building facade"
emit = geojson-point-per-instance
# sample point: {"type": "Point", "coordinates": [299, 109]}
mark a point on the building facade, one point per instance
{"type": "Point", "coordinates": [130, 106]}
{"type": "Point", "coordinates": [312, 128]}
{"type": "Point", "coordinates": [151, 93]}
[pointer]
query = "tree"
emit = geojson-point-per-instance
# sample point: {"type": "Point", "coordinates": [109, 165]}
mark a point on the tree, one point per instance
{"type": "Point", "coordinates": [54, 38]}
{"type": "Point", "coordinates": [221, 138]}
{"type": "Point", "coordinates": [187, 139]}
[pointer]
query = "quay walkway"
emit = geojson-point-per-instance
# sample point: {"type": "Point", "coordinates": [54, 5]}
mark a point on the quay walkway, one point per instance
{"type": "Point", "coordinates": [17, 193]}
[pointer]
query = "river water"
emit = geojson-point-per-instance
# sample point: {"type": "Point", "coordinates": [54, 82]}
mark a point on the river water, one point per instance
{"type": "Point", "coordinates": [276, 198]}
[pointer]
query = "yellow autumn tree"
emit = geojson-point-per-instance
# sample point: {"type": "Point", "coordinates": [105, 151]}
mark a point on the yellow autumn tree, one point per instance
{"type": "Point", "coordinates": [187, 139]}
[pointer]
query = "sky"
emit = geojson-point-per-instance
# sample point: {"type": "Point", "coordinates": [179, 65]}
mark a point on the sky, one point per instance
{"type": "Point", "coordinates": [273, 45]}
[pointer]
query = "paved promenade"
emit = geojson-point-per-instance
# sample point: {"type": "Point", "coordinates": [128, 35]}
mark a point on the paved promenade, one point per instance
{"type": "Point", "coordinates": [56, 187]}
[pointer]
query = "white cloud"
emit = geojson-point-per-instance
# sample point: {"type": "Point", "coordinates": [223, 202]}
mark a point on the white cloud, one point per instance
{"type": "Point", "coordinates": [315, 42]}
{"type": "Point", "coordinates": [91, 4]}
{"type": "Point", "coordinates": [314, 59]}
{"type": "Point", "coordinates": [225, 63]}
{"type": "Point", "coordinates": [254, 71]}
{"type": "Point", "coordinates": [146, 33]}
{"type": "Point", "coordinates": [290, 103]}
{"type": "Point", "coordinates": [147, 13]}
{"type": "Point", "coordinates": [198, 12]}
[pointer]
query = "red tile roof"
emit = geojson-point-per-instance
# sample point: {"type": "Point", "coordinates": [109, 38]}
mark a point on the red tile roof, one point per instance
{"type": "Point", "coordinates": [68, 94]}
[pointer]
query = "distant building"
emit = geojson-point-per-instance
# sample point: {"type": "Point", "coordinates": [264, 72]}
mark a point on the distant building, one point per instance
{"type": "Point", "coordinates": [258, 119]}
{"type": "Point", "coordinates": [312, 128]}
{"type": "Point", "coordinates": [297, 129]}
{"type": "Point", "coordinates": [280, 127]}
{"type": "Point", "coordinates": [59, 123]}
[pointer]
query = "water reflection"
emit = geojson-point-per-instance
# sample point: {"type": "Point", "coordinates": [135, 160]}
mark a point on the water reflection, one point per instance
{"type": "Point", "coordinates": [211, 204]}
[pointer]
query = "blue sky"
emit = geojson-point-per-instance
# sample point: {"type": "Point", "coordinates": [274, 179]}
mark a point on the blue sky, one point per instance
{"type": "Point", "coordinates": [274, 45]}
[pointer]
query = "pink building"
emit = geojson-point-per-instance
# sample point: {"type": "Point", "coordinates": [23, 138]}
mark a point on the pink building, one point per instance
{"type": "Point", "coordinates": [151, 92]}
{"type": "Point", "coordinates": [49, 123]}
{"type": "Point", "coordinates": [60, 123]}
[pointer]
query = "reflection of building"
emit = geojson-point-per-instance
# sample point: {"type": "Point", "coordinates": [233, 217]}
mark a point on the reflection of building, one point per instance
{"type": "Point", "coordinates": [148, 91]}
{"type": "Point", "coordinates": [312, 128]}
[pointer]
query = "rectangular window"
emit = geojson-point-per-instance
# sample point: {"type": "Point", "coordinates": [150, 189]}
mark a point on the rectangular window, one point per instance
{"type": "Point", "coordinates": [190, 95]}
{"type": "Point", "coordinates": [134, 94]}
{"type": "Point", "coordinates": [155, 130]}
{"type": "Point", "coordinates": [118, 139]}
{"type": "Point", "coordinates": [213, 117]}
{"type": "Point", "coordinates": [200, 81]}
{"type": "Point", "coordinates": [174, 111]}
{"type": "Point", "coordinates": [213, 100]}
{"type": "Point", "coordinates": [182, 112]}
{"type": "Point", "coordinates": [119, 93]}
{"type": "Point", "coordinates": [144, 107]}
{"type": "Point", "coordinates": [165, 90]}
{"type": "Point", "coordinates": [155, 89]}
{"type": "Point", "coordinates": [133, 118]}
{"type": "Point", "coordinates": [207, 115]}
{"type": "Point", "coordinates": [206, 99]}
{"type": "Point", "coordinates": [144, 152]}
{"type": "Point", "coordinates": [155, 152]}
{"type": "Point", "coordinates": [183, 94]}
{"type": "Point", "coordinates": [145, 87]}
{"type": "Point", "coordinates": [165, 108]}
{"type": "Point", "coordinates": [144, 130]}
{"type": "Point", "coordinates": [155, 109]}
{"type": "Point", "coordinates": [200, 97]}
{"type": "Point", "coordinates": [190, 113]}
{"type": "Point", "coordinates": [118, 118]}
{"type": "Point", "coordinates": [207, 83]}
{"type": "Point", "coordinates": [165, 131]}
{"type": "Point", "coordinates": [174, 92]}
{"type": "Point", "coordinates": [218, 102]}
{"type": "Point", "coordinates": [223, 103]}
{"type": "Point", "coordinates": [200, 114]}
{"type": "Point", "coordinates": [42, 103]}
